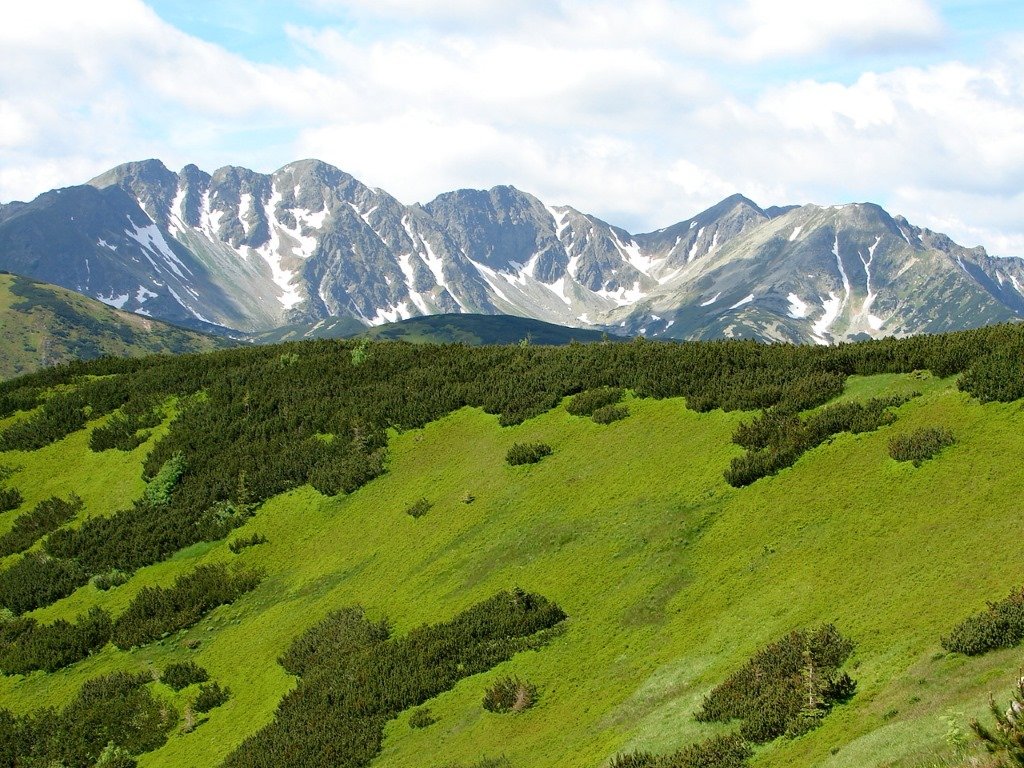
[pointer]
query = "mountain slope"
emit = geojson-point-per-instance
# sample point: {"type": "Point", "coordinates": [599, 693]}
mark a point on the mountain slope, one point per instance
{"type": "Point", "coordinates": [42, 325]}
{"type": "Point", "coordinates": [440, 329]}
{"type": "Point", "coordinates": [670, 577]}
{"type": "Point", "coordinates": [308, 243]}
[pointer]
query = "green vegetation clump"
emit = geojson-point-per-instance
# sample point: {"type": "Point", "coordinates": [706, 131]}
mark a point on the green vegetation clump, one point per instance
{"type": "Point", "coordinates": [418, 508]}
{"type": "Point", "coordinates": [355, 679]}
{"type": "Point", "coordinates": [527, 453]}
{"type": "Point", "coordinates": [510, 694]}
{"type": "Point", "coordinates": [45, 517]}
{"type": "Point", "coordinates": [211, 695]}
{"type": "Point", "coordinates": [421, 718]}
{"type": "Point", "coordinates": [786, 687]}
{"type": "Point", "coordinates": [109, 580]}
{"type": "Point", "coordinates": [1001, 625]}
{"type": "Point", "coordinates": [158, 490]}
{"type": "Point", "coordinates": [26, 645]}
{"type": "Point", "coordinates": [777, 438]}
{"type": "Point", "coordinates": [116, 709]}
{"type": "Point", "coordinates": [340, 634]}
{"type": "Point", "coordinates": [63, 413]}
{"type": "Point", "coordinates": [37, 579]}
{"type": "Point", "coordinates": [126, 431]}
{"type": "Point", "coordinates": [921, 444]}
{"type": "Point", "coordinates": [608, 413]}
{"type": "Point", "coordinates": [729, 751]}
{"type": "Point", "coordinates": [1005, 739]}
{"type": "Point", "coordinates": [157, 611]}
{"type": "Point", "coordinates": [10, 498]}
{"type": "Point", "coordinates": [245, 542]}
{"type": "Point", "coordinates": [586, 403]}
{"type": "Point", "coordinates": [183, 674]}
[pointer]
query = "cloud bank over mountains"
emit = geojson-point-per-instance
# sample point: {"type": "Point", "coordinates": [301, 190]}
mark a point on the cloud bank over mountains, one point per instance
{"type": "Point", "coordinates": [639, 112]}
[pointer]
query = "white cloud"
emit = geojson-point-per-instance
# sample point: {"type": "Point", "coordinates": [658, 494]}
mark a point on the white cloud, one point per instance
{"type": "Point", "coordinates": [769, 28]}
{"type": "Point", "coordinates": [641, 112]}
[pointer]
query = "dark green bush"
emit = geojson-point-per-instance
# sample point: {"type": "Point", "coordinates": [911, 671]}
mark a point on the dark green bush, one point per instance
{"type": "Point", "coordinates": [354, 678]}
{"type": "Point", "coordinates": [112, 716]}
{"type": "Point", "coordinates": [158, 611]}
{"type": "Point", "coordinates": [10, 498]}
{"type": "Point", "coordinates": [1001, 625]}
{"type": "Point", "coordinates": [609, 413]}
{"type": "Point", "coordinates": [510, 694]}
{"type": "Point", "coordinates": [211, 695]}
{"type": "Point", "coordinates": [586, 403]}
{"type": "Point", "coordinates": [340, 634]}
{"type": "Point", "coordinates": [125, 431]}
{"type": "Point", "coordinates": [158, 490]}
{"type": "Point", "coordinates": [45, 517]}
{"type": "Point", "coordinates": [37, 579]}
{"type": "Point", "coordinates": [921, 444]}
{"type": "Point", "coordinates": [527, 453]}
{"type": "Point", "coordinates": [239, 544]}
{"type": "Point", "coordinates": [183, 674]}
{"type": "Point", "coordinates": [418, 508]}
{"type": "Point", "coordinates": [777, 438]}
{"type": "Point", "coordinates": [786, 686]}
{"type": "Point", "coordinates": [26, 645]}
{"type": "Point", "coordinates": [421, 718]}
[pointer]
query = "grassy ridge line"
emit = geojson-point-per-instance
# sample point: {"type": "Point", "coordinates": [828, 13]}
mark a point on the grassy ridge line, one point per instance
{"type": "Point", "coordinates": [632, 530]}
{"type": "Point", "coordinates": [42, 324]}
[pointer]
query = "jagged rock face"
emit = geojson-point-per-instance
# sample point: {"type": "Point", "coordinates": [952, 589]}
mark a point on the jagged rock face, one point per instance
{"type": "Point", "coordinates": [252, 252]}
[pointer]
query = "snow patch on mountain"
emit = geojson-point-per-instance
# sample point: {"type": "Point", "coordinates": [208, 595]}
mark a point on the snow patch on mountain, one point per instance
{"type": "Point", "coordinates": [711, 301]}
{"type": "Point", "coordinates": [830, 311]}
{"type": "Point", "coordinates": [152, 239]}
{"type": "Point", "coordinates": [113, 300]}
{"type": "Point", "coordinates": [270, 252]}
{"type": "Point", "coordinates": [797, 308]}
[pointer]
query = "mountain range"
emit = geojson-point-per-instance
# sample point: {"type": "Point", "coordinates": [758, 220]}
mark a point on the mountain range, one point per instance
{"type": "Point", "coordinates": [246, 252]}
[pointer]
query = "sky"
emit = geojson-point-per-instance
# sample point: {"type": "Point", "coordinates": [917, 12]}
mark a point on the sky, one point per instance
{"type": "Point", "coordinates": [641, 112]}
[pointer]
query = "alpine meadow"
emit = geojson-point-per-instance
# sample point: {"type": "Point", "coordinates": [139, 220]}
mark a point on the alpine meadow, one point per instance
{"type": "Point", "coordinates": [349, 553]}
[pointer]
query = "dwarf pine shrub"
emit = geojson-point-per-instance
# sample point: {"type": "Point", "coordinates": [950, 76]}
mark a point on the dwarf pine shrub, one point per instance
{"type": "Point", "coordinates": [921, 444]}
{"type": "Point", "coordinates": [527, 453]}
{"type": "Point", "coordinates": [609, 413]}
{"type": "Point", "coordinates": [1001, 625]}
{"type": "Point", "coordinates": [421, 718]}
{"type": "Point", "coordinates": [786, 687]}
{"type": "Point", "coordinates": [510, 694]}
{"type": "Point", "coordinates": [10, 498]}
{"type": "Point", "coordinates": [245, 542]}
{"type": "Point", "coordinates": [211, 695]}
{"type": "Point", "coordinates": [418, 508]}
{"type": "Point", "coordinates": [183, 674]}
{"type": "Point", "coordinates": [585, 403]}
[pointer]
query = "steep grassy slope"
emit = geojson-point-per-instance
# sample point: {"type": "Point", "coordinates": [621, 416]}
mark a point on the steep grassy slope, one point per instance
{"type": "Point", "coordinates": [43, 325]}
{"type": "Point", "coordinates": [670, 577]}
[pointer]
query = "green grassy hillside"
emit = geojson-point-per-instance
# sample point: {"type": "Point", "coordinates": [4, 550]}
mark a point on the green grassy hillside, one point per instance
{"type": "Point", "coordinates": [670, 577]}
{"type": "Point", "coordinates": [43, 325]}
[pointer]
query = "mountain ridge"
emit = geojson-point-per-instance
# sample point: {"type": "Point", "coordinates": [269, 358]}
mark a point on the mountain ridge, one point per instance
{"type": "Point", "coordinates": [308, 242]}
